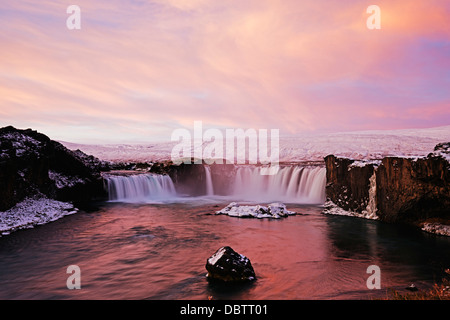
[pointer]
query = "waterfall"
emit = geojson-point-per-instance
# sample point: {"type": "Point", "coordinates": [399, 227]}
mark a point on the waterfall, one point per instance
{"type": "Point", "coordinates": [291, 184]}
{"type": "Point", "coordinates": [371, 210]}
{"type": "Point", "coordinates": [209, 183]}
{"type": "Point", "coordinates": [139, 187]}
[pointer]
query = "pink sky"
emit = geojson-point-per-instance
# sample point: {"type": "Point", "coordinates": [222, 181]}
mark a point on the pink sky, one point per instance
{"type": "Point", "coordinates": [139, 69]}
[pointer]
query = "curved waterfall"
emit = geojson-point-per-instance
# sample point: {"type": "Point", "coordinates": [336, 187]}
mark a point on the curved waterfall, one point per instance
{"type": "Point", "coordinates": [139, 187]}
{"type": "Point", "coordinates": [292, 184]}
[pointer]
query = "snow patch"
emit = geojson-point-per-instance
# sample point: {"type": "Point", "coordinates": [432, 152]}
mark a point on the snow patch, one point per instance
{"type": "Point", "coordinates": [63, 181]}
{"type": "Point", "coordinates": [33, 211]}
{"type": "Point", "coordinates": [332, 208]}
{"type": "Point", "coordinates": [216, 256]}
{"type": "Point", "coordinates": [363, 163]}
{"type": "Point", "coordinates": [442, 154]}
{"type": "Point", "coordinates": [274, 210]}
{"type": "Point", "coordinates": [22, 143]}
{"type": "Point", "coordinates": [437, 228]}
{"type": "Point", "coordinates": [363, 145]}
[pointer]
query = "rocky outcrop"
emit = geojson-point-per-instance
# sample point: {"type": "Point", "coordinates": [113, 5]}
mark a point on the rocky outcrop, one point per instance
{"type": "Point", "coordinates": [227, 265]}
{"type": "Point", "coordinates": [413, 189]}
{"type": "Point", "coordinates": [394, 189]}
{"type": "Point", "coordinates": [348, 183]}
{"type": "Point", "coordinates": [31, 163]}
{"type": "Point", "coordinates": [185, 176]}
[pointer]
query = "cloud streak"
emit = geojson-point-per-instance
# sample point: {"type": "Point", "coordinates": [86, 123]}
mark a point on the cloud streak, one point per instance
{"type": "Point", "coordinates": [138, 69]}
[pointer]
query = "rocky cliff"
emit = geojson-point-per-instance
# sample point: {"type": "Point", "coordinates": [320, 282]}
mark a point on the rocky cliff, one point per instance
{"type": "Point", "coordinates": [394, 189]}
{"type": "Point", "coordinates": [31, 163]}
{"type": "Point", "coordinates": [185, 176]}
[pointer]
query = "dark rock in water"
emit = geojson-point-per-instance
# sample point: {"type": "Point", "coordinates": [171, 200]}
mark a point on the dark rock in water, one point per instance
{"type": "Point", "coordinates": [412, 287]}
{"type": "Point", "coordinates": [229, 266]}
{"type": "Point", "coordinates": [31, 163]}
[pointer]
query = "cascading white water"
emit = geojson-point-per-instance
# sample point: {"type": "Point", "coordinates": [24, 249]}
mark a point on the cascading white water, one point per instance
{"type": "Point", "coordinates": [140, 187]}
{"type": "Point", "coordinates": [292, 184]}
{"type": "Point", "coordinates": [209, 183]}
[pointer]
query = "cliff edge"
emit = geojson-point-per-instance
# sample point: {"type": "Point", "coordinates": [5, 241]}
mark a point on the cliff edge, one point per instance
{"type": "Point", "coordinates": [38, 176]}
{"type": "Point", "coordinates": [393, 189]}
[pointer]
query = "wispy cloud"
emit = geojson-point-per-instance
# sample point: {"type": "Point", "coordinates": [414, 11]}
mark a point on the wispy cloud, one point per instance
{"type": "Point", "coordinates": [137, 69]}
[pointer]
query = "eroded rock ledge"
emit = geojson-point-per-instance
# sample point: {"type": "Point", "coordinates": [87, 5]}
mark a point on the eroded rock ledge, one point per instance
{"type": "Point", "coordinates": [393, 189]}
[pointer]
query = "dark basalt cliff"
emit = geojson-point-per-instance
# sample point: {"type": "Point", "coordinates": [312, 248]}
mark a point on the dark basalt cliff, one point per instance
{"type": "Point", "coordinates": [348, 185]}
{"type": "Point", "coordinates": [31, 163]}
{"type": "Point", "coordinates": [409, 190]}
{"type": "Point", "coordinates": [185, 176]}
{"type": "Point", "coordinates": [393, 189]}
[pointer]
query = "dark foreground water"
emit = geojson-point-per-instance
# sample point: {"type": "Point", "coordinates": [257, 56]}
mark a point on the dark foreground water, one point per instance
{"type": "Point", "coordinates": [159, 251]}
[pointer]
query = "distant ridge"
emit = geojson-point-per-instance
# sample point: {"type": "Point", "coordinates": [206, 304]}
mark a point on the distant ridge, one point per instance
{"type": "Point", "coordinates": [370, 144]}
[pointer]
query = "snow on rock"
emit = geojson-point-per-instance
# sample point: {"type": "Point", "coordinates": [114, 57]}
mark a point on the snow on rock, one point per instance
{"type": "Point", "coordinates": [90, 161]}
{"type": "Point", "coordinates": [31, 163]}
{"type": "Point", "coordinates": [331, 208]}
{"type": "Point", "coordinates": [63, 181]}
{"type": "Point", "coordinates": [274, 211]}
{"type": "Point", "coordinates": [33, 211]}
{"type": "Point", "coordinates": [437, 228]}
{"type": "Point", "coordinates": [442, 150]}
{"type": "Point", "coordinates": [21, 143]}
{"type": "Point", "coordinates": [216, 256]}
{"type": "Point", "coordinates": [363, 163]}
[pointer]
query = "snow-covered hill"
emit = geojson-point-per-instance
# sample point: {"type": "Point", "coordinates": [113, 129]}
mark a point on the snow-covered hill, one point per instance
{"type": "Point", "coordinates": [357, 145]}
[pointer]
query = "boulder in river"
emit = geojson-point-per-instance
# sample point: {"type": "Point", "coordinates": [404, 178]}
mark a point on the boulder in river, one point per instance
{"type": "Point", "coordinates": [229, 266]}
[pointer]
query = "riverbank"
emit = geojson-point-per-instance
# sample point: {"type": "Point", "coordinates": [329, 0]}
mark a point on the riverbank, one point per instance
{"type": "Point", "coordinates": [32, 212]}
